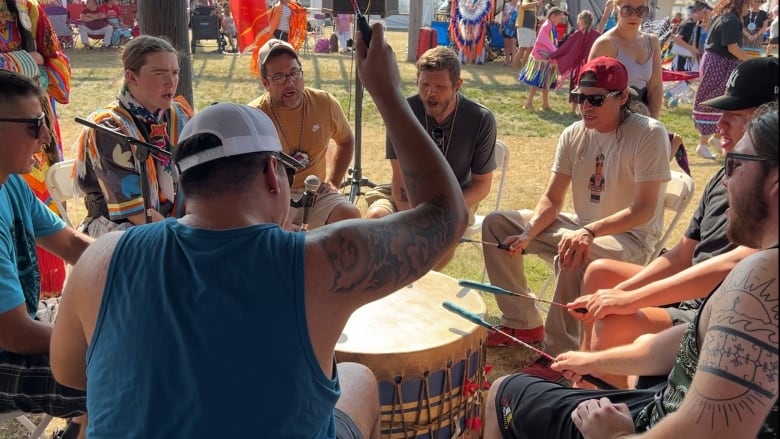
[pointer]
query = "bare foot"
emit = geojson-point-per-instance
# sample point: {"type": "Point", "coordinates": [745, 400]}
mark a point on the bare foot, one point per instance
{"type": "Point", "coordinates": [547, 109]}
{"type": "Point", "coordinates": [528, 107]}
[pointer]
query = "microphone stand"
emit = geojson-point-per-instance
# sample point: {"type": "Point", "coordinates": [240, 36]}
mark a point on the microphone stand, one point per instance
{"type": "Point", "coordinates": [307, 200]}
{"type": "Point", "coordinates": [142, 152]}
{"type": "Point", "coordinates": [356, 179]}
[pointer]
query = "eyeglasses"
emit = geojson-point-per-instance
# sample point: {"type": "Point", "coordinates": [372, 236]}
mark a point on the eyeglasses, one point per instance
{"type": "Point", "coordinates": [437, 134]}
{"type": "Point", "coordinates": [281, 78]}
{"type": "Point", "coordinates": [595, 100]}
{"type": "Point", "coordinates": [627, 11]}
{"type": "Point", "coordinates": [733, 158]}
{"type": "Point", "coordinates": [36, 124]}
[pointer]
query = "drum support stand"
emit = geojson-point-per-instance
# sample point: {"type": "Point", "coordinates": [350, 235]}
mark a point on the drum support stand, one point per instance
{"type": "Point", "coordinates": [356, 180]}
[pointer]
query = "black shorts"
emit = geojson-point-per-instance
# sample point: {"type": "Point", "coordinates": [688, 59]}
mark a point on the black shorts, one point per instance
{"type": "Point", "coordinates": [529, 407]}
{"type": "Point", "coordinates": [345, 426]}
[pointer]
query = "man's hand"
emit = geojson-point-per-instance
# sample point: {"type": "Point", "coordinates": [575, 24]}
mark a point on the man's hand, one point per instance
{"type": "Point", "coordinates": [601, 419]}
{"type": "Point", "coordinates": [574, 364]}
{"type": "Point", "coordinates": [327, 187]}
{"type": "Point", "coordinates": [601, 304]}
{"type": "Point", "coordinates": [516, 244]}
{"type": "Point", "coordinates": [573, 249]}
{"type": "Point", "coordinates": [377, 65]}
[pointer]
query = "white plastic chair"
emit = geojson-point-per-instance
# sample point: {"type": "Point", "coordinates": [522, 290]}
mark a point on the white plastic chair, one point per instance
{"type": "Point", "coordinates": [60, 185]}
{"type": "Point", "coordinates": [502, 164]}
{"type": "Point", "coordinates": [36, 431]}
{"type": "Point", "coordinates": [679, 194]}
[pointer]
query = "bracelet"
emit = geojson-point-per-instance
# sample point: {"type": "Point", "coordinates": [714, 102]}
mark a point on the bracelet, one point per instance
{"type": "Point", "coordinates": [589, 230]}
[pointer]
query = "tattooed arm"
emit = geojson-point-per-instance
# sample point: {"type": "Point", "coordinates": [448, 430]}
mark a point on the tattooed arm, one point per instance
{"type": "Point", "coordinates": [350, 263]}
{"type": "Point", "coordinates": [736, 380]}
{"type": "Point", "coordinates": [735, 385]}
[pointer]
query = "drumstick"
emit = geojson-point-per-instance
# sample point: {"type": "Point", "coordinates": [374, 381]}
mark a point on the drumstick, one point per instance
{"type": "Point", "coordinates": [498, 290]}
{"type": "Point", "coordinates": [470, 316]}
{"type": "Point", "coordinates": [500, 245]}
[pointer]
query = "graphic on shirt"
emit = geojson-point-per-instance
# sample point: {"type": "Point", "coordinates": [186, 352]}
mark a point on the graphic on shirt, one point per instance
{"type": "Point", "coordinates": [506, 413]}
{"type": "Point", "coordinates": [27, 265]}
{"type": "Point", "coordinates": [130, 185]}
{"type": "Point", "coordinates": [596, 184]}
{"type": "Point", "coordinates": [315, 128]}
{"type": "Point", "coordinates": [122, 158]}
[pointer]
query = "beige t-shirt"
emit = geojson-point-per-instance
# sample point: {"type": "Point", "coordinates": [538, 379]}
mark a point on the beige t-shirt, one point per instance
{"type": "Point", "coordinates": [308, 141]}
{"type": "Point", "coordinates": [605, 167]}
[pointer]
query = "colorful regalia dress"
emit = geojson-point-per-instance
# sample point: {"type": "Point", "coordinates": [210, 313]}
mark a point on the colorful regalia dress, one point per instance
{"type": "Point", "coordinates": [539, 72]}
{"type": "Point", "coordinates": [24, 28]}
{"type": "Point", "coordinates": [469, 21]}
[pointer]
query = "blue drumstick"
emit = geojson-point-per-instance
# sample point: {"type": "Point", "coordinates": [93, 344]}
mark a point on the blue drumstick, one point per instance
{"type": "Point", "coordinates": [498, 290]}
{"type": "Point", "coordinates": [477, 320]}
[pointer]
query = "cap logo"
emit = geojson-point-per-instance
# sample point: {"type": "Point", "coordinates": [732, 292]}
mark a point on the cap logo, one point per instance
{"type": "Point", "coordinates": [732, 82]}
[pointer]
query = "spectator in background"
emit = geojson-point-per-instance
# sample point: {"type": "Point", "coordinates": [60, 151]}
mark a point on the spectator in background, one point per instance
{"type": "Point", "coordinates": [754, 24]}
{"type": "Point", "coordinates": [573, 53]}
{"type": "Point", "coordinates": [539, 72]}
{"type": "Point", "coordinates": [608, 20]}
{"type": "Point", "coordinates": [509, 31]}
{"type": "Point", "coordinates": [526, 31]}
{"type": "Point", "coordinates": [640, 52]}
{"type": "Point", "coordinates": [686, 42]}
{"type": "Point", "coordinates": [344, 30]}
{"type": "Point", "coordinates": [113, 12]}
{"type": "Point", "coordinates": [228, 24]}
{"type": "Point", "coordinates": [94, 22]}
{"type": "Point", "coordinates": [722, 54]}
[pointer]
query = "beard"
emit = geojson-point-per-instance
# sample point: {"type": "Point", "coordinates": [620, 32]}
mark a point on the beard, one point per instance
{"type": "Point", "coordinates": [748, 214]}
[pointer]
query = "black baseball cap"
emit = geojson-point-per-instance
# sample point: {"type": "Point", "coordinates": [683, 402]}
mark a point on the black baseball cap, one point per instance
{"type": "Point", "coordinates": [751, 84]}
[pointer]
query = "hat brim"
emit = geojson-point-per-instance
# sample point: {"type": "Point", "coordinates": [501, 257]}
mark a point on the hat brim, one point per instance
{"type": "Point", "coordinates": [729, 103]}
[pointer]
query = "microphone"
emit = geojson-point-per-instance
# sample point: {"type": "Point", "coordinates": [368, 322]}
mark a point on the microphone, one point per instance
{"type": "Point", "coordinates": [312, 183]}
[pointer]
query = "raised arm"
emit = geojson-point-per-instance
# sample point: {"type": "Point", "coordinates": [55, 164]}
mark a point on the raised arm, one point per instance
{"type": "Point", "coordinates": [361, 261]}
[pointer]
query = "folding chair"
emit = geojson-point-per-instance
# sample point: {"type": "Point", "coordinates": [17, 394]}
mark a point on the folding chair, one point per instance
{"type": "Point", "coordinates": [59, 182]}
{"type": "Point", "coordinates": [58, 16]}
{"type": "Point", "coordinates": [502, 163]}
{"type": "Point", "coordinates": [36, 431]}
{"type": "Point", "coordinates": [679, 193]}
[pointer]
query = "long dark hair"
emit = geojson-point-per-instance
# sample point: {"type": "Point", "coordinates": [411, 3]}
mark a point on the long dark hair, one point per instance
{"type": "Point", "coordinates": [725, 6]}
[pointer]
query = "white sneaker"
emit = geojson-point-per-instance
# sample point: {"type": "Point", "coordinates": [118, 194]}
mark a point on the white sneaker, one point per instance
{"type": "Point", "coordinates": [704, 151]}
{"type": "Point", "coordinates": [716, 144]}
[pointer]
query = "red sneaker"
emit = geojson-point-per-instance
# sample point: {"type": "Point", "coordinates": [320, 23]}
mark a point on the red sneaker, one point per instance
{"type": "Point", "coordinates": [541, 368]}
{"type": "Point", "coordinates": [497, 339]}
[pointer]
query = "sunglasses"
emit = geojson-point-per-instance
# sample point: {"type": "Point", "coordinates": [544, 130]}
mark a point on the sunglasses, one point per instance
{"type": "Point", "coordinates": [437, 134]}
{"type": "Point", "coordinates": [627, 11]}
{"type": "Point", "coordinates": [733, 161]}
{"type": "Point", "coordinates": [594, 100]}
{"type": "Point", "coordinates": [36, 124]}
{"type": "Point", "coordinates": [289, 169]}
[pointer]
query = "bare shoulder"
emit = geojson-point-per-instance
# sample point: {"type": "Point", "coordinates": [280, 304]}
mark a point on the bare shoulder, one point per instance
{"type": "Point", "coordinates": [603, 46]}
{"type": "Point", "coordinates": [90, 270]}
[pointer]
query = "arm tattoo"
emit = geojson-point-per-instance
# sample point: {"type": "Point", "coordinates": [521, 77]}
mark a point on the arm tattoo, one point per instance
{"type": "Point", "coordinates": [741, 347]}
{"type": "Point", "coordinates": [374, 254]}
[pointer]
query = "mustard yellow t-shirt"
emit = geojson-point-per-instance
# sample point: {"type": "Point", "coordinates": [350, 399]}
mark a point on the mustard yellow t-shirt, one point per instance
{"type": "Point", "coordinates": [308, 140]}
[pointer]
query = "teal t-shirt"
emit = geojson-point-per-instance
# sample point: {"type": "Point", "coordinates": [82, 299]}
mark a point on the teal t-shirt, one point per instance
{"type": "Point", "coordinates": [23, 217]}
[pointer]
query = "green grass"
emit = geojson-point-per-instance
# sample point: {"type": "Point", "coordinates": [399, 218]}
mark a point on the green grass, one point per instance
{"type": "Point", "coordinates": [531, 137]}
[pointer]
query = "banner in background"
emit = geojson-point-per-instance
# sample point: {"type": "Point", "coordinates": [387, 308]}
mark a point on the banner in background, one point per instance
{"type": "Point", "coordinates": [251, 18]}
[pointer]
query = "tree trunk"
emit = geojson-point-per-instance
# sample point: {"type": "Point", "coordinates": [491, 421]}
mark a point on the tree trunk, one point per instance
{"type": "Point", "coordinates": [168, 19]}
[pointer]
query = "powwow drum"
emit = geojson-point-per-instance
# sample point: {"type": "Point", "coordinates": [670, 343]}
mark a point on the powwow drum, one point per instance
{"type": "Point", "coordinates": [429, 362]}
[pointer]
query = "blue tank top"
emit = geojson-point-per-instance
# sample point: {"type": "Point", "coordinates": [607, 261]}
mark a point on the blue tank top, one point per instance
{"type": "Point", "coordinates": [205, 336]}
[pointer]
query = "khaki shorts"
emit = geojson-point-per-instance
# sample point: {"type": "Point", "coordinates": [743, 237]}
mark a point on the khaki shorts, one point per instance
{"type": "Point", "coordinates": [525, 37]}
{"type": "Point", "coordinates": [319, 211]}
{"type": "Point", "coordinates": [382, 196]}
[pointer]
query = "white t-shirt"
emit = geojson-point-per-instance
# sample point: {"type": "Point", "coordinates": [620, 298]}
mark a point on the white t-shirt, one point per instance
{"type": "Point", "coordinates": [284, 21]}
{"type": "Point", "coordinates": [604, 168]}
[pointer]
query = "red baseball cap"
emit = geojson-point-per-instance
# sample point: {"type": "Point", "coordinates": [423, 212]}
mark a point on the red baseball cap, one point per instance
{"type": "Point", "coordinates": [610, 74]}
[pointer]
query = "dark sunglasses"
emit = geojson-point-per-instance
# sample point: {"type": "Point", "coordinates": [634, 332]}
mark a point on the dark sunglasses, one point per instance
{"type": "Point", "coordinates": [437, 134]}
{"type": "Point", "coordinates": [288, 168]}
{"type": "Point", "coordinates": [595, 100]}
{"type": "Point", "coordinates": [627, 11]}
{"type": "Point", "coordinates": [36, 124]}
{"type": "Point", "coordinates": [733, 161]}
